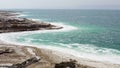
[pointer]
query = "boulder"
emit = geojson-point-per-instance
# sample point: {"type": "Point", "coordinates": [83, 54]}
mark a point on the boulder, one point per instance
{"type": "Point", "coordinates": [26, 63]}
{"type": "Point", "coordinates": [70, 64]}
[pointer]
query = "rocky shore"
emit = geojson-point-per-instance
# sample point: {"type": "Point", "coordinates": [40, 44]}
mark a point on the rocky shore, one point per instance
{"type": "Point", "coordinates": [17, 56]}
{"type": "Point", "coordinates": [9, 22]}
{"type": "Point", "coordinates": [14, 56]}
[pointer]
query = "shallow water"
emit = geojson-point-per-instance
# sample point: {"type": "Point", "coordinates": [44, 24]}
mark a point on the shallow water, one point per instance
{"type": "Point", "coordinates": [89, 33]}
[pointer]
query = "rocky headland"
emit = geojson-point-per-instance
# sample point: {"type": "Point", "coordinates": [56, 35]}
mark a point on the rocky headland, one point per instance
{"type": "Point", "coordinates": [9, 22]}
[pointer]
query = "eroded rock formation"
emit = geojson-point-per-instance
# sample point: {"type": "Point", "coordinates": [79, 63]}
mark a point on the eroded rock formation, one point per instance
{"type": "Point", "coordinates": [70, 64]}
{"type": "Point", "coordinates": [9, 22]}
{"type": "Point", "coordinates": [6, 50]}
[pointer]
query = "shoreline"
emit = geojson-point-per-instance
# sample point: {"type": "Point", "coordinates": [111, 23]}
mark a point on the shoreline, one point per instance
{"type": "Point", "coordinates": [98, 58]}
{"type": "Point", "coordinates": [52, 54]}
{"type": "Point", "coordinates": [56, 56]}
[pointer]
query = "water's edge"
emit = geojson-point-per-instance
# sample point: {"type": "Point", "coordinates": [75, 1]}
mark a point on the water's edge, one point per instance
{"type": "Point", "coordinates": [109, 57]}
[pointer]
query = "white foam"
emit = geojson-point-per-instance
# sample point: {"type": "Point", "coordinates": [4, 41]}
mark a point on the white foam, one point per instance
{"type": "Point", "coordinates": [65, 27]}
{"type": "Point", "coordinates": [5, 36]}
{"type": "Point", "coordinates": [94, 49]}
{"type": "Point", "coordinates": [9, 38]}
{"type": "Point", "coordinates": [21, 14]}
{"type": "Point", "coordinates": [36, 19]}
{"type": "Point", "coordinates": [85, 53]}
{"type": "Point", "coordinates": [104, 58]}
{"type": "Point", "coordinates": [91, 52]}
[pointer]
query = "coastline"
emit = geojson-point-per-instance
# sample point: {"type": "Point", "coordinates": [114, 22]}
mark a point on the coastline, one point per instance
{"type": "Point", "coordinates": [57, 57]}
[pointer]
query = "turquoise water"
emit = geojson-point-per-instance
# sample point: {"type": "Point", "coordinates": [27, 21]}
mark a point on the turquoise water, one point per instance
{"type": "Point", "coordinates": [98, 31]}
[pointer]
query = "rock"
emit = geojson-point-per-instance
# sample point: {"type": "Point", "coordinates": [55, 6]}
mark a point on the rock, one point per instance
{"type": "Point", "coordinates": [26, 63]}
{"type": "Point", "coordinates": [70, 64]}
{"type": "Point", "coordinates": [6, 50]}
{"type": "Point", "coordinates": [10, 23]}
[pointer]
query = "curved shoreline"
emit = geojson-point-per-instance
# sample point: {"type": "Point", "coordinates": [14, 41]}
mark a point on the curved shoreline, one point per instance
{"type": "Point", "coordinates": [62, 56]}
{"type": "Point", "coordinates": [96, 58]}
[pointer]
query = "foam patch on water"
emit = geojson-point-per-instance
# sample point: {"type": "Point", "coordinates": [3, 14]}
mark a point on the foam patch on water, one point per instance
{"type": "Point", "coordinates": [21, 14]}
{"type": "Point", "coordinates": [86, 51]}
{"type": "Point", "coordinates": [13, 35]}
{"type": "Point", "coordinates": [65, 26]}
{"type": "Point", "coordinates": [36, 19]}
{"type": "Point", "coordinates": [96, 57]}
{"type": "Point", "coordinates": [94, 49]}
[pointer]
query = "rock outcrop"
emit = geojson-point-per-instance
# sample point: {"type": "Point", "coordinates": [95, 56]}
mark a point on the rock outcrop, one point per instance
{"type": "Point", "coordinates": [6, 50]}
{"type": "Point", "coordinates": [25, 63]}
{"type": "Point", "coordinates": [17, 56]}
{"type": "Point", "coordinates": [70, 64]}
{"type": "Point", "coordinates": [9, 22]}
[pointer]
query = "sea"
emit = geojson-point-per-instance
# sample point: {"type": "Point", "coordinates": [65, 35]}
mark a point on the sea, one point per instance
{"type": "Point", "coordinates": [89, 34]}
